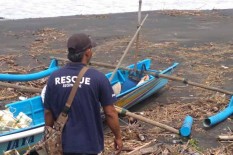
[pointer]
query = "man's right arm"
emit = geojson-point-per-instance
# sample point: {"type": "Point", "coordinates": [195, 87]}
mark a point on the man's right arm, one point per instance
{"type": "Point", "coordinates": [113, 123]}
{"type": "Point", "coordinates": [49, 120]}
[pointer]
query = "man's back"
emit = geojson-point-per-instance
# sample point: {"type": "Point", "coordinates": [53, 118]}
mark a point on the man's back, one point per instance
{"type": "Point", "coordinates": [83, 131]}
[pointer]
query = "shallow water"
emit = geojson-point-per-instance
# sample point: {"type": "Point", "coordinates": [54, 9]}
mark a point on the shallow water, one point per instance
{"type": "Point", "coordinates": [19, 9]}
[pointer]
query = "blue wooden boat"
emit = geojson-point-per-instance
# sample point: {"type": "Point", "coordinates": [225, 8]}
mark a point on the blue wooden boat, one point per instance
{"type": "Point", "coordinates": [130, 94]}
{"type": "Point", "coordinates": [32, 76]}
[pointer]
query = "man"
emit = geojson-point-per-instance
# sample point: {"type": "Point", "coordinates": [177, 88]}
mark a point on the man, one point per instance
{"type": "Point", "coordinates": [83, 133]}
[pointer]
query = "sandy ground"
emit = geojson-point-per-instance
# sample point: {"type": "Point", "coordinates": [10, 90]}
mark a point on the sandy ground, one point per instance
{"type": "Point", "coordinates": [201, 41]}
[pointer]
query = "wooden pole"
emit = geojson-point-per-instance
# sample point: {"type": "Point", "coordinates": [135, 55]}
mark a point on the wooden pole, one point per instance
{"type": "Point", "coordinates": [126, 112]}
{"type": "Point", "coordinates": [92, 63]}
{"type": "Point", "coordinates": [127, 49]}
{"type": "Point", "coordinates": [137, 40]}
{"type": "Point", "coordinates": [174, 78]}
{"type": "Point", "coordinates": [21, 88]}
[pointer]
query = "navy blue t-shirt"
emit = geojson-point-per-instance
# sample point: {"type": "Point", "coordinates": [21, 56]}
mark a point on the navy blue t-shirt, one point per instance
{"type": "Point", "coordinates": [83, 131]}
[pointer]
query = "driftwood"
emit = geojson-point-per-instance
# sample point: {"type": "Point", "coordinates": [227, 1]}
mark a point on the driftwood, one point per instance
{"type": "Point", "coordinates": [20, 88]}
{"type": "Point", "coordinates": [10, 72]}
{"type": "Point", "coordinates": [225, 137]}
{"type": "Point", "coordinates": [127, 113]}
{"type": "Point", "coordinates": [152, 149]}
{"type": "Point", "coordinates": [136, 151]}
{"type": "Point", "coordinates": [127, 149]}
{"type": "Point", "coordinates": [7, 97]}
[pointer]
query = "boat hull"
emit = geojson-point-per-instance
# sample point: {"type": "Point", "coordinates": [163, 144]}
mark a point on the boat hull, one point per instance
{"type": "Point", "coordinates": [21, 141]}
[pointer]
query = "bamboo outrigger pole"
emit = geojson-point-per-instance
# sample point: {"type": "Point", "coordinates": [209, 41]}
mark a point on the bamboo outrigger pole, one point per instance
{"type": "Point", "coordinates": [174, 78]}
{"type": "Point", "coordinates": [127, 49]}
{"type": "Point", "coordinates": [126, 112]}
{"type": "Point", "coordinates": [186, 81]}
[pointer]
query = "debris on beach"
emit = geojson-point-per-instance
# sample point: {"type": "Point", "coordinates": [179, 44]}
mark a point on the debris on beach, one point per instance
{"type": "Point", "coordinates": [201, 63]}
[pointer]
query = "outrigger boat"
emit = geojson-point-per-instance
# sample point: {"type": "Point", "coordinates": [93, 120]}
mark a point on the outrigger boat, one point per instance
{"type": "Point", "coordinates": [131, 92]}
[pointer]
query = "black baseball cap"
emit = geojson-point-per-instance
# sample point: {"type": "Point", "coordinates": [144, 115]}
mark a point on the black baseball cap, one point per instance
{"type": "Point", "coordinates": [80, 42]}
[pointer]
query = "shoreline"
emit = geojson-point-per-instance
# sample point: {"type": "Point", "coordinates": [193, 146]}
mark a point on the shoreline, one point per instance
{"type": "Point", "coordinates": [116, 13]}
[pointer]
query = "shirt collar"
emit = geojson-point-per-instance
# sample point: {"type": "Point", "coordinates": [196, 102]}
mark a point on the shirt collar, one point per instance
{"type": "Point", "coordinates": [74, 64]}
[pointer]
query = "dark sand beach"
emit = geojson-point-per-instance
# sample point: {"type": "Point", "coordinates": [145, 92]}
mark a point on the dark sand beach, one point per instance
{"type": "Point", "coordinates": [201, 41]}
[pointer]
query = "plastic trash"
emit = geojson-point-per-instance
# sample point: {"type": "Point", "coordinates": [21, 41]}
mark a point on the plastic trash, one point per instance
{"type": "Point", "coordinates": [21, 98]}
{"type": "Point", "coordinates": [117, 88]}
{"type": "Point", "coordinates": [8, 122]}
{"type": "Point", "coordinates": [6, 119]}
{"type": "Point", "coordinates": [23, 120]}
{"type": "Point", "coordinates": [143, 79]}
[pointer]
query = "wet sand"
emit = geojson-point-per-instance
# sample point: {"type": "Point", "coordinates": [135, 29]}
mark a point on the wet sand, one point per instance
{"type": "Point", "coordinates": [201, 41]}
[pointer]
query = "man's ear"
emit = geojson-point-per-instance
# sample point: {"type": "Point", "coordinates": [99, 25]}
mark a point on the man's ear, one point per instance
{"type": "Point", "coordinates": [88, 53]}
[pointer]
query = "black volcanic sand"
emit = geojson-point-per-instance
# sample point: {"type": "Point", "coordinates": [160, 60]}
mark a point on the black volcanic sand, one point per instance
{"type": "Point", "coordinates": [201, 41]}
